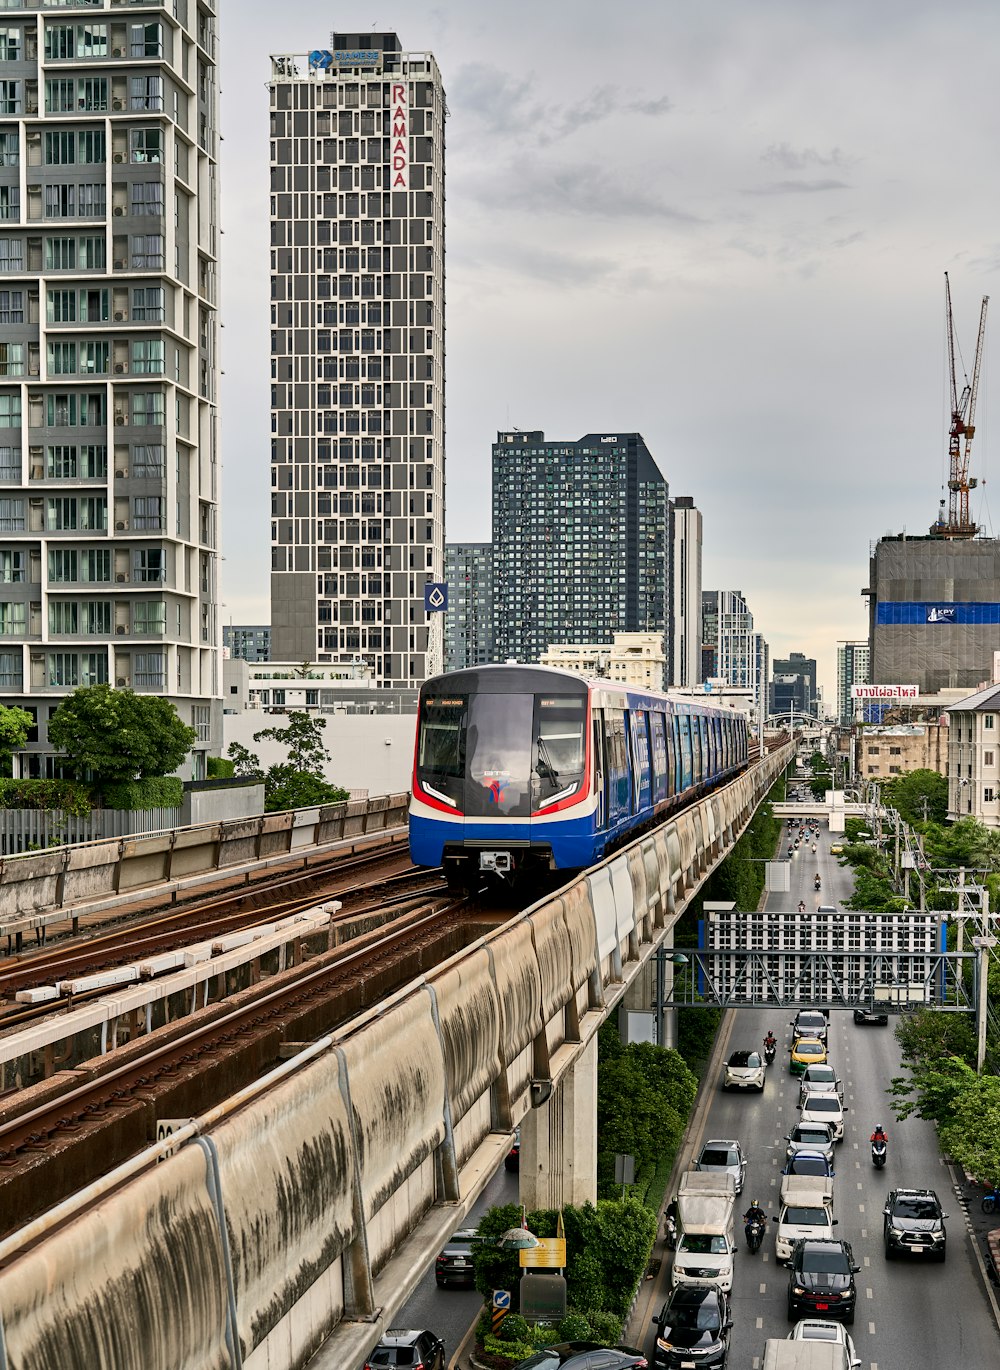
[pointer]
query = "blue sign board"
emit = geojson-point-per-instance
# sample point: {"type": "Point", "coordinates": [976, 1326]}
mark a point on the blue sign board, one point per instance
{"type": "Point", "coordinates": [501, 1298]}
{"type": "Point", "coordinates": [914, 612]}
{"type": "Point", "coordinates": [435, 597]}
{"type": "Point", "coordinates": [321, 59]}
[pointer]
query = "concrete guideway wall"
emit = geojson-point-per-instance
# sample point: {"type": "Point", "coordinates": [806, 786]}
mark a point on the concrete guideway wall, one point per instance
{"type": "Point", "coordinates": [338, 1176]}
{"type": "Point", "coordinates": [49, 883]}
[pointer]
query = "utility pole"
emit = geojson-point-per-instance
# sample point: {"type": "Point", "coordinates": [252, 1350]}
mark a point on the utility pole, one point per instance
{"type": "Point", "coordinates": [984, 945]}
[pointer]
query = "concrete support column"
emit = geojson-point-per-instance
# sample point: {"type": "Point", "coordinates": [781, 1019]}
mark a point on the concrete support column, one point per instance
{"type": "Point", "coordinates": [559, 1140]}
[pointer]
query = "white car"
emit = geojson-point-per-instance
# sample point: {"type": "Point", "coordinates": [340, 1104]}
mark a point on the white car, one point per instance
{"type": "Point", "coordinates": [703, 1258]}
{"type": "Point", "coordinates": [724, 1155]}
{"type": "Point", "coordinates": [745, 1070]}
{"type": "Point", "coordinates": [824, 1108]}
{"type": "Point", "coordinates": [820, 1080]}
{"type": "Point", "coordinates": [834, 1333]}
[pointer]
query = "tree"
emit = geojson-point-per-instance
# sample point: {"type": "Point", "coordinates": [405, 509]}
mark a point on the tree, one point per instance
{"type": "Point", "coordinates": [929, 1036]}
{"type": "Point", "coordinates": [970, 1134]}
{"type": "Point", "coordinates": [246, 764]}
{"type": "Point", "coordinates": [298, 781]}
{"type": "Point", "coordinates": [116, 735]}
{"type": "Point", "coordinates": [286, 787]}
{"type": "Point", "coordinates": [14, 726]}
{"type": "Point", "coordinates": [919, 796]}
{"type": "Point", "coordinates": [302, 736]}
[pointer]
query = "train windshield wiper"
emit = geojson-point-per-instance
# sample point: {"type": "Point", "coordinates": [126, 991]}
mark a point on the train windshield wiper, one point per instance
{"type": "Point", "coordinates": [545, 768]}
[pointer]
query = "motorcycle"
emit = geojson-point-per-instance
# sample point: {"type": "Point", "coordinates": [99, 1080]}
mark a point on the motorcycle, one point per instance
{"type": "Point", "coordinates": [769, 1053]}
{"type": "Point", "coordinates": [755, 1234]}
{"type": "Point", "coordinates": [878, 1154]}
{"type": "Point", "coordinates": [991, 1202]}
{"type": "Point", "coordinates": [817, 884]}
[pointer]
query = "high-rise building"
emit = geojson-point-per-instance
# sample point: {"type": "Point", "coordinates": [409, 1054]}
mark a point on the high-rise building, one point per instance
{"type": "Point", "coordinates": [468, 625]}
{"type": "Point", "coordinates": [852, 669]}
{"type": "Point", "coordinates": [247, 643]}
{"type": "Point", "coordinates": [685, 592]}
{"type": "Point", "coordinates": [738, 654]}
{"type": "Point", "coordinates": [934, 611]}
{"type": "Point", "coordinates": [581, 532]}
{"type": "Point", "coordinates": [357, 344]}
{"type": "Point", "coordinates": [108, 369]}
{"type": "Point", "coordinates": [793, 685]}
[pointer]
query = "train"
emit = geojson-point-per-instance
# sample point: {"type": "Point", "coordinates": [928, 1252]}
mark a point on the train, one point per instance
{"type": "Point", "coordinates": [519, 768]}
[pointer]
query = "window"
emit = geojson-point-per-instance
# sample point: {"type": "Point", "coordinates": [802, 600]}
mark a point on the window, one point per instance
{"type": "Point", "coordinates": [145, 92]}
{"type": "Point", "coordinates": [60, 514]}
{"type": "Point", "coordinates": [11, 515]}
{"type": "Point", "coordinates": [989, 794]}
{"type": "Point", "coordinates": [150, 565]}
{"type": "Point", "coordinates": [60, 148]}
{"type": "Point", "coordinates": [147, 198]}
{"type": "Point", "coordinates": [10, 411]}
{"type": "Point", "coordinates": [11, 306]}
{"type": "Point", "coordinates": [92, 40]}
{"type": "Point", "coordinates": [61, 306]}
{"type": "Point", "coordinates": [988, 721]}
{"type": "Point", "coordinates": [146, 251]}
{"type": "Point", "coordinates": [97, 616]}
{"type": "Point", "coordinates": [60, 96]}
{"type": "Point", "coordinates": [95, 565]}
{"type": "Point", "coordinates": [148, 512]}
{"type": "Point", "coordinates": [147, 409]}
{"type": "Point", "coordinates": [147, 461]}
{"type": "Point", "coordinates": [94, 306]}
{"type": "Point", "coordinates": [70, 410]}
{"type": "Point", "coordinates": [92, 93]}
{"type": "Point", "coordinates": [988, 759]}
{"type": "Point", "coordinates": [64, 617]}
{"type": "Point", "coordinates": [94, 512]}
{"type": "Point", "coordinates": [60, 201]}
{"type": "Point", "coordinates": [149, 616]}
{"type": "Point", "coordinates": [62, 358]}
{"type": "Point", "coordinates": [63, 669]}
{"type": "Point", "coordinates": [10, 44]}
{"type": "Point", "coordinates": [147, 357]}
{"type": "Point", "coordinates": [10, 202]}
{"type": "Point", "coordinates": [59, 42]}
{"type": "Point", "coordinates": [149, 670]}
{"type": "Point", "coordinates": [12, 567]}
{"type": "Point", "coordinates": [146, 144]}
{"type": "Point", "coordinates": [10, 150]}
{"type": "Point", "coordinates": [11, 359]}
{"type": "Point", "coordinates": [201, 719]}
{"type": "Point", "coordinates": [13, 619]}
{"type": "Point", "coordinates": [88, 462]}
{"type": "Point", "coordinates": [90, 200]}
{"type": "Point", "coordinates": [94, 358]}
{"type": "Point", "coordinates": [145, 40]}
{"type": "Point", "coordinates": [10, 97]}
{"type": "Point", "coordinates": [147, 304]}
{"type": "Point", "coordinates": [10, 463]}
{"type": "Point", "coordinates": [63, 566]}
{"type": "Point", "coordinates": [91, 147]}
{"type": "Point", "coordinates": [11, 254]}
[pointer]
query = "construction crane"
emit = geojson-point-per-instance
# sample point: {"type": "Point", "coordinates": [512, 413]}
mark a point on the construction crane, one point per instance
{"type": "Point", "coordinates": [958, 523]}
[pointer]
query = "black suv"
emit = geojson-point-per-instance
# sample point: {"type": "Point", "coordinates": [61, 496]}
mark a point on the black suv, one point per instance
{"type": "Point", "coordinates": [419, 1350]}
{"type": "Point", "coordinates": [454, 1265]}
{"type": "Point", "coordinates": [912, 1222]}
{"type": "Point", "coordinates": [810, 1022]}
{"type": "Point", "coordinates": [821, 1280]}
{"type": "Point", "coordinates": [693, 1329]}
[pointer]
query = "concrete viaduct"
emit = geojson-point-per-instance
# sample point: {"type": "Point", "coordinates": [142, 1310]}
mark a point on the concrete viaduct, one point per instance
{"type": "Point", "coordinates": [297, 1217]}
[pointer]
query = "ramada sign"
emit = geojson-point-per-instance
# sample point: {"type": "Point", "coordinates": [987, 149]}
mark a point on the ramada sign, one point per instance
{"type": "Point", "coordinates": [400, 137]}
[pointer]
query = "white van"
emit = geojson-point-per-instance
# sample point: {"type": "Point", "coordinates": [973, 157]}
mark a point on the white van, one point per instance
{"type": "Point", "coordinates": [806, 1211]}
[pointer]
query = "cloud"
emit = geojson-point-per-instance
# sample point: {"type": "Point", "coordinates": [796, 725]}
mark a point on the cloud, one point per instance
{"type": "Point", "coordinates": [797, 159]}
{"type": "Point", "coordinates": [796, 187]}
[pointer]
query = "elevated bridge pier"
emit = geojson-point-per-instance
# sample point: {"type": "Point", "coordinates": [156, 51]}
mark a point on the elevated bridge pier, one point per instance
{"type": "Point", "coordinates": [559, 1139]}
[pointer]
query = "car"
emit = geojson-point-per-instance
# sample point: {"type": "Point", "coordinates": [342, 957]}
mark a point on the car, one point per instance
{"type": "Point", "coordinates": [810, 1022]}
{"type": "Point", "coordinates": [454, 1267]}
{"type": "Point", "coordinates": [810, 1137]}
{"type": "Point", "coordinates": [693, 1327]}
{"type": "Point", "coordinates": [703, 1259]}
{"type": "Point", "coordinates": [836, 849]}
{"type": "Point", "coordinates": [833, 1333]}
{"type": "Point", "coordinates": [826, 908]}
{"type": "Point", "coordinates": [913, 1224]}
{"type": "Point", "coordinates": [724, 1154]}
{"type": "Point", "coordinates": [585, 1355]}
{"type": "Point", "coordinates": [824, 1108]}
{"type": "Point", "coordinates": [806, 1051]}
{"type": "Point", "coordinates": [877, 1017]}
{"type": "Point", "coordinates": [745, 1070]}
{"type": "Point", "coordinates": [512, 1161]}
{"type": "Point", "coordinates": [821, 1279]}
{"type": "Point", "coordinates": [412, 1349]}
{"type": "Point", "coordinates": [820, 1079]}
{"type": "Point", "coordinates": [808, 1163]}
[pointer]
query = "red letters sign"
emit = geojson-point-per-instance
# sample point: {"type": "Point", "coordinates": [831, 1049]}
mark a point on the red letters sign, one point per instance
{"type": "Point", "coordinates": [399, 146]}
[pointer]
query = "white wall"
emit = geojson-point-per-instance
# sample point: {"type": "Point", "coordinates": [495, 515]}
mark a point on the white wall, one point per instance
{"type": "Point", "coordinates": [369, 752]}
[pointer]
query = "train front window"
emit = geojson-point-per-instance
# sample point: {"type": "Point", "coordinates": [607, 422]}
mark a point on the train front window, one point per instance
{"type": "Point", "coordinates": [499, 755]}
{"type": "Point", "coordinates": [559, 754]}
{"type": "Point", "coordinates": [441, 757]}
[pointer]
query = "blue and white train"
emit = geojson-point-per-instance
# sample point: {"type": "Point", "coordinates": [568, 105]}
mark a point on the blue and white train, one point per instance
{"type": "Point", "coordinates": [525, 767]}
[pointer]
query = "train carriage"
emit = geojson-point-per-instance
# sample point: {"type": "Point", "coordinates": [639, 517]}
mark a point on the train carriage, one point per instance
{"type": "Point", "coordinates": [520, 767]}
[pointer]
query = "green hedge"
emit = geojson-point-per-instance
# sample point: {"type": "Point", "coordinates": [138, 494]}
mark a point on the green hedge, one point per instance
{"type": "Point", "coordinates": [156, 792]}
{"type": "Point", "coordinates": [47, 795]}
{"type": "Point", "coordinates": [219, 768]}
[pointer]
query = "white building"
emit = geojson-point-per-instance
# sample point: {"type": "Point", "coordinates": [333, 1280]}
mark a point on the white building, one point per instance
{"type": "Point", "coordinates": [357, 356]}
{"type": "Point", "coordinates": [853, 661]}
{"type": "Point", "coordinates": [685, 591]}
{"type": "Point", "coordinates": [635, 659]}
{"type": "Point", "coordinates": [973, 755]}
{"type": "Point", "coordinates": [108, 366]}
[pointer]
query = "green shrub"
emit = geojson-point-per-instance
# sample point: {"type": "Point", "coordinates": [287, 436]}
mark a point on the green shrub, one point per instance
{"type": "Point", "coordinates": [219, 768]}
{"type": "Point", "coordinates": [574, 1327]}
{"type": "Point", "coordinates": [155, 792]}
{"type": "Point", "coordinates": [605, 1328]}
{"type": "Point", "coordinates": [497, 1352]}
{"type": "Point", "coordinates": [514, 1328]}
{"type": "Point", "coordinates": [67, 795]}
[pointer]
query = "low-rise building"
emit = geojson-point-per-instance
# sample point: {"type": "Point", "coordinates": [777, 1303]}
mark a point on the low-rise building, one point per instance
{"type": "Point", "coordinates": [885, 753]}
{"type": "Point", "coordinates": [973, 753]}
{"type": "Point", "coordinates": [636, 659]}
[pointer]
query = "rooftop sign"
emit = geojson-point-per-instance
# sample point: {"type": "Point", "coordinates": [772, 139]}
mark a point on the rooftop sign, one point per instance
{"type": "Point", "coordinates": [884, 692]}
{"type": "Point", "coordinates": [320, 59]}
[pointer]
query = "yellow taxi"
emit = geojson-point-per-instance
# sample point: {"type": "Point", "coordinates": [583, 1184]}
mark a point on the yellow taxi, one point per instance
{"type": "Point", "coordinates": [836, 849]}
{"type": "Point", "coordinates": [806, 1051]}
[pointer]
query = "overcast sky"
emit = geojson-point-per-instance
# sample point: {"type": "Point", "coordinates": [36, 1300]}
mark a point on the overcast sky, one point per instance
{"type": "Point", "coordinates": [722, 224]}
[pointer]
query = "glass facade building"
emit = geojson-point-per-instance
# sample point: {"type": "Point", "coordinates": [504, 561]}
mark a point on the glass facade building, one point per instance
{"type": "Point", "coordinates": [581, 541]}
{"type": "Point", "coordinates": [108, 364]}
{"type": "Point", "coordinates": [468, 626]}
{"type": "Point", "coordinates": [357, 356]}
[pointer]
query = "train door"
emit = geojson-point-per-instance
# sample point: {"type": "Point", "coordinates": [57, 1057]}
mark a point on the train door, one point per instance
{"type": "Point", "coordinates": [600, 770]}
{"type": "Point", "coordinates": [658, 769]}
{"type": "Point", "coordinates": [676, 765]}
{"type": "Point", "coordinates": [686, 753]}
{"type": "Point", "coordinates": [642, 790]}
